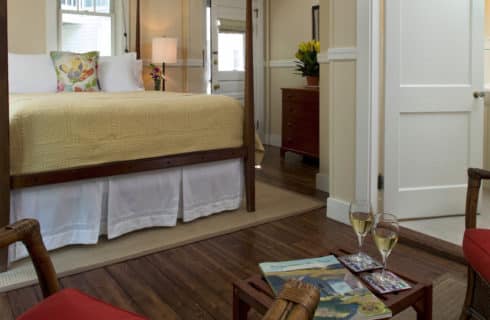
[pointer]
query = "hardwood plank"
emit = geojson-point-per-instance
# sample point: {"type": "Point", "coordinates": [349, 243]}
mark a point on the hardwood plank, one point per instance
{"type": "Point", "coordinates": [148, 300]}
{"type": "Point", "coordinates": [22, 300]}
{"type": "Point", "coordinates": [155, 293]}
{"type": "Point", "coordinates": [100, 284]}
{"type": "Point", "coordinates": [5, 309]}
{"type": "Point", "coordinates": [190, 276]}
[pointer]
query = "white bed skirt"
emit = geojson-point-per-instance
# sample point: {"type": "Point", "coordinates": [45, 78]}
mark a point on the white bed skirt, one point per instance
{"type": "Point", "coordinates": [82, 211]}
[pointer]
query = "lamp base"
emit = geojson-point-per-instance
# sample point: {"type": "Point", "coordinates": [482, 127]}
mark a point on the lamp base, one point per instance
{"type": "Point", "coordinates": [163, 76]}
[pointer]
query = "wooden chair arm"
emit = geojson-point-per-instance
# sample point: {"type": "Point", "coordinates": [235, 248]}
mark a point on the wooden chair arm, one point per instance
{"type": "Point", "coordinates": [29, 233]}
{"type": "Point", "coordinates": [479, 173]}
{"type": "Point", "coordinates": [475, 176]}
{"type": "Point", "coordinates": [297, 301]}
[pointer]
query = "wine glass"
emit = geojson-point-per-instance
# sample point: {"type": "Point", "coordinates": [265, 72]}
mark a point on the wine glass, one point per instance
{"type": "Point", "coordinates": [361, 217]}
{"type": "Point", "coordinates": [385, 234]}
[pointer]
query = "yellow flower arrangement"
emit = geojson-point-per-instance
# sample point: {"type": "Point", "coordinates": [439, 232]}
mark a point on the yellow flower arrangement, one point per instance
{"type": "Point", "coordinates": [307, 63]}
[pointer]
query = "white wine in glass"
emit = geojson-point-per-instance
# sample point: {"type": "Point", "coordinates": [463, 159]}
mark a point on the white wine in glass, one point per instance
{"type": "Point", "coordinates": [361, 217]}
{"type": "Point", "coordinates": [385, 234]}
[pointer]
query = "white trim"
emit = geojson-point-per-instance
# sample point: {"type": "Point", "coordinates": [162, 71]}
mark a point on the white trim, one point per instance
{"type": "Point", "coordinates": [342, 54]}
{"type": "Point", "coordinates": [323, 57]}
{"type": "Point", "coordinates": [322, 182]}
{"type": "Point", "coordinates": [285, 63]}
{"type": "Point", "coordinates": [191, 63]}
{"type": "Point", "coordinates": [274, 140]}
{"type": "Point", "coordinates": [338, 210]}
{"type": "Point", "coordinates": [367, 105]}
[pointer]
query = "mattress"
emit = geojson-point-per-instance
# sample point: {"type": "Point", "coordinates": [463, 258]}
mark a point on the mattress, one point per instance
{"type": "Point", "coordinates": [50, 132]}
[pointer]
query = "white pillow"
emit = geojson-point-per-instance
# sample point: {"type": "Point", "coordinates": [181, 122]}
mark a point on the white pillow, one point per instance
{"type": "Point", "coordinates": [31, 73]}
{"type": "Point", "coordinates": [119, 73]}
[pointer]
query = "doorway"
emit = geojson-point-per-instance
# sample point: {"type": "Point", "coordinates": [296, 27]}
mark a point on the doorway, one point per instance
{"type": "Point", "coordinates": [225, 35]}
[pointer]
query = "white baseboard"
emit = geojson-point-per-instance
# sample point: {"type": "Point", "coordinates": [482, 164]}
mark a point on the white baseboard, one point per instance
{"type": "Point", "coordinates": [322, 182]}
{"type": "Point", "coordinates": [274, 140]}
{"type": "Point", "coordinates": [338, 210]}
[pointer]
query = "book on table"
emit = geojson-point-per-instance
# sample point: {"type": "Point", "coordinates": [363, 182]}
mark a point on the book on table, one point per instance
{"type": "Point", "coordinates": [342, 295]}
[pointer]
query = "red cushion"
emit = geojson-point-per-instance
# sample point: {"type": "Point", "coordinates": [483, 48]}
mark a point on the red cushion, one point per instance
{"type": "Point", "coordinates": [74, 305]}
{"type": "Point", "coordinates": [476, 248]}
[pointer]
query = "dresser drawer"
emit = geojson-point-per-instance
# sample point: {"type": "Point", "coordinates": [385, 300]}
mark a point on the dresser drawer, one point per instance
{"type": "Point", "coordinates": [300, 121]}
{"type": "Point", "coordinates": [300, 96]}
{"type": "Point", "coordinates": [300, 112]}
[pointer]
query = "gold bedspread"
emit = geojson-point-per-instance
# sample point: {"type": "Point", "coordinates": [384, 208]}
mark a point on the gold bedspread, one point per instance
{"type": "Point", "coordinates": [50, 132]}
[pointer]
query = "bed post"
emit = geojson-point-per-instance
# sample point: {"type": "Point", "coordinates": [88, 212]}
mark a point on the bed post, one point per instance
{"type": "Point", "coordinates": [138, 29]}
{"type": "Point", "coordinates": [4, 131]}
{"type": "Point", "coordinates": [249, 126]}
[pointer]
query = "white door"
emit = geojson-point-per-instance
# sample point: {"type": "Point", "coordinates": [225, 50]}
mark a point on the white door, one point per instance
{"type": "Point", "coordinates": [228, 48]}
{"type": "Point", "coordinates": [433, 122]}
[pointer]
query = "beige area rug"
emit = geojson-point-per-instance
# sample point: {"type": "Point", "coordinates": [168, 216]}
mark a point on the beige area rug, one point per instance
{"type": "Point", "coordinates": [272, 203]}
{"type": "Point", "coordinates": [448, 299]}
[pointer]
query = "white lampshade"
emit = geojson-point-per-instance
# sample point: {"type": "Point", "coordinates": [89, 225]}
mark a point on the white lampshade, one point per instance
{"type": "Point", "coordinates": [164, 50]}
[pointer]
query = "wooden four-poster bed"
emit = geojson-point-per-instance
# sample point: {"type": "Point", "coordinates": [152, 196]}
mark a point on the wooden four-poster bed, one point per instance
{"type": "Point", "coordinates": [9, 182]}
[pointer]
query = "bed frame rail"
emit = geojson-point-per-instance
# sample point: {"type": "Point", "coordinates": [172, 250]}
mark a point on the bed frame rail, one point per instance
{"type": "Point", "coordinates": [124, 167]}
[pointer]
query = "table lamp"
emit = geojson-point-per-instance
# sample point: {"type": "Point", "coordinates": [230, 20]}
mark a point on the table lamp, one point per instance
{"type": "Point", "coordinates": [164, 50]}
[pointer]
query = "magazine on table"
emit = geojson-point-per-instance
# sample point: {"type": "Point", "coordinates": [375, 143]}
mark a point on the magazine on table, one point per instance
{"type": "Point", "coordinates": [360, 262]}
{"type": "Point", "coordinates": [388, 284]}
{"type": "Point", "coordinates": [342, 295]}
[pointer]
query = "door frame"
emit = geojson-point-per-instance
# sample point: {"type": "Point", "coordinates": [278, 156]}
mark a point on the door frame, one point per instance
{"type": "Point", "coordinates": [368, 100]}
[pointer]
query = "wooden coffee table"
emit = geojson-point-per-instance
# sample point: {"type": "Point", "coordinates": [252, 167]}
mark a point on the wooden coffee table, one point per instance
{"type": "Point", "coordinates": [255, 293]}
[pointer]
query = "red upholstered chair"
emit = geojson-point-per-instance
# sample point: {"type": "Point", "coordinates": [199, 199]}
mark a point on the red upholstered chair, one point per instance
{"type": "Point", "coordinates": [59, 304]}
{"type": "Point", "coordinates": [476, 248]}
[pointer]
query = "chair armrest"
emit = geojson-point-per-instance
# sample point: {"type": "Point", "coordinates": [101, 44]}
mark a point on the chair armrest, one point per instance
{"type": "Point", "coordinates": [29, 233]}
{"type": "Point", "coordinates": [296, 301]}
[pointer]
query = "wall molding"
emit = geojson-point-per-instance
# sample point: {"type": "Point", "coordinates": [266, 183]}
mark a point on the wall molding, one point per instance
{"type": "Point", "coordinates": [342, 54]}
{"type": "Point", "coordinates": [283, 63]}
{"type": "Point", "coordinates": [323, 57]}
{"type": "Point", "coordinates": [191, 63]}
{"type": "Point", "coordinates": [322, 182]}
{"type": "Point", "coordinates": [367, 101]}
{"type": "Point", "coordinates": [338, 210]}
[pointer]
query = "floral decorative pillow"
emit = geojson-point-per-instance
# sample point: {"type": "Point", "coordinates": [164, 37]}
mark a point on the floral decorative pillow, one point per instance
{"type": "Point", "coordinates": [76, 72]}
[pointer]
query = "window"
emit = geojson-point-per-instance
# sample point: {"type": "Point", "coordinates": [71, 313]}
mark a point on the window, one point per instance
{"type": "Point", "coordinates": [87, 25]}
{"type": "Point", "coordinates": [231, 45]}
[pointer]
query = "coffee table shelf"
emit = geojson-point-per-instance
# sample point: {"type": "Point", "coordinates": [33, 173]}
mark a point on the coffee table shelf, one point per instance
{"type": "Point", "coordinates": [255, 293]}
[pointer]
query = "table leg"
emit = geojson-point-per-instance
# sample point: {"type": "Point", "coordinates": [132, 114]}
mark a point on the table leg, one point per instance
{"type": "Point", "coordinates": [240, 308]}
{"type": "Point", "coordinates": [424, 306]}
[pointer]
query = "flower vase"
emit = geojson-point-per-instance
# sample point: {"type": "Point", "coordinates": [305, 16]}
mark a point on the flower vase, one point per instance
{"type": "Point", "coordinates": [158, 84]}
{"type": "Point", "coordinates": [312, 81]}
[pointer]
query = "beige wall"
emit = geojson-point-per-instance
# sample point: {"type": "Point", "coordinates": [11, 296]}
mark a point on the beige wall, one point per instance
{"type": "Point", "coordinates": [342, 103]}
{"type": "Point", "coordinates": [183, 19]}
{"type": "Point", "coordinates": [27, 26]}
{"type": "Point", "coordinates": [288, 23]}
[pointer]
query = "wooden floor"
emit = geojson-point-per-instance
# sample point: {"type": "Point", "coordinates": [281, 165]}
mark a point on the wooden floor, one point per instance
{"type": "Point", "coordinates": [194, 281]}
